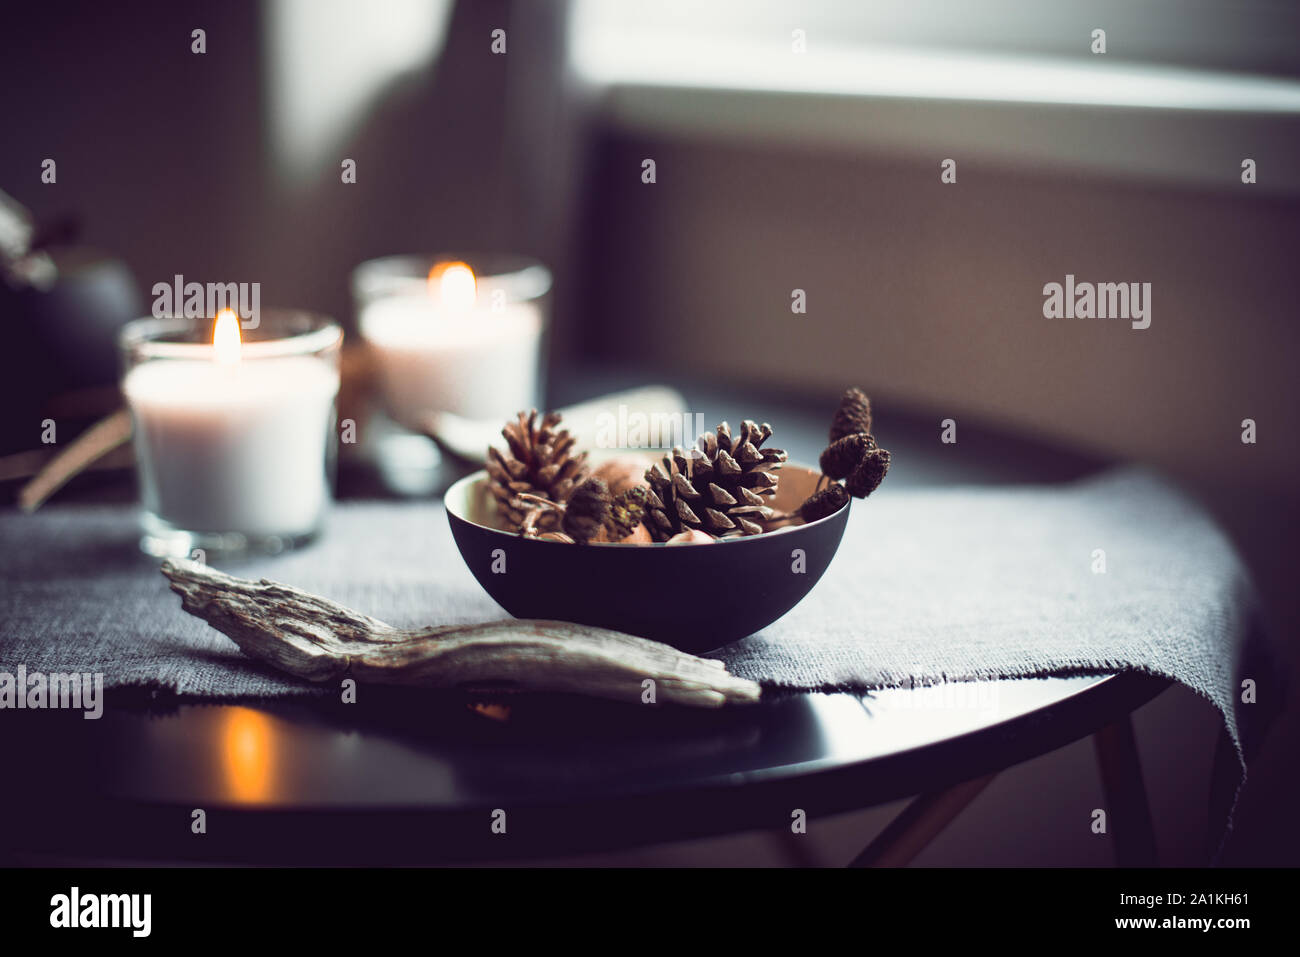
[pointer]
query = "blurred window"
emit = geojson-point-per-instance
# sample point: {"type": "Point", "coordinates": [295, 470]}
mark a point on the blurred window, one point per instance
{"type": "Point", "coordinates": [1161, 53]}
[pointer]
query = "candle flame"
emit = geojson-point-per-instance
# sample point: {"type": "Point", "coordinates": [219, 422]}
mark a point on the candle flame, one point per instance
{"type": "Point", "coordinates": [225, 336]}
{"type": "Point", "coordinates": [454, 285]}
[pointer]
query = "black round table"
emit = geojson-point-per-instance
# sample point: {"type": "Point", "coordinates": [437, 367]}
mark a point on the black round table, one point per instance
{"type": "Point", "coordinates": [413, 777]}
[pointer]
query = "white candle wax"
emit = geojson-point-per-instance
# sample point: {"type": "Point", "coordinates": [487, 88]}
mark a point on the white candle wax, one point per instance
{"type": "Point", "coordinates": [234, 447]}
{"type": "Point", "coordinates": [479, 363]}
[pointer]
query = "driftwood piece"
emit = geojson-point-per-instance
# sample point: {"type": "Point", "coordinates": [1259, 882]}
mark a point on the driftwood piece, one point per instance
{"type": "Point", "coordinates": [317, 639]}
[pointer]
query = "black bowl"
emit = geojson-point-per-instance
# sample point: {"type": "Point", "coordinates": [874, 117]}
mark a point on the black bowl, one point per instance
{"type": "Point", "coordinates": [693, 597]}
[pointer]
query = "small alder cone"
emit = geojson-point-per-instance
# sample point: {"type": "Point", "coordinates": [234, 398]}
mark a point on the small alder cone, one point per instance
{"type": "Point", "coordinates": [869, 473]}
{"type": "Point", "coordinates": [539, 461]}
{"type": "Point", "coordinates": [842, 456]}
{"type": "Point", "coordinates": [587, 513]}
{"type": "Point", "coordinates": [853, 415]}
{"type": "Point", "coordinates": [719, 487]}
{"type": "Point", "coordinates": [826, 502]}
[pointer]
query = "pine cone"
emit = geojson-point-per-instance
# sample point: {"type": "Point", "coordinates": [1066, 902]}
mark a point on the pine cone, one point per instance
{"type": "Point", "coordinates": [628, 511]}
{"type": "Point", "coordinates": [539, 461]}
{"type": "Point", "coordinates": [853, 415]}
{"type": "Point", "coordinates": [718, 487]}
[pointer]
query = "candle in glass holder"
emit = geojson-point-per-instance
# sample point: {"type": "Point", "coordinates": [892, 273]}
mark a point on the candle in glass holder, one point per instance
{"type": "Point", "coordinates": [454, 343]}
{"type": "Point", "coordinates": [233, 440]}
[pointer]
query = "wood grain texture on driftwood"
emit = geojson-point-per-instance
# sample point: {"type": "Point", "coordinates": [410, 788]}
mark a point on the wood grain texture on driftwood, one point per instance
{"type": "Point", "coordinates": [319, 640]}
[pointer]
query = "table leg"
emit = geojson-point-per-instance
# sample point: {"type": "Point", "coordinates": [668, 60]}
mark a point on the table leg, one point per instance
{"type": "Point", "coordinates": [918, 824]}
{"type": "Point", "coordinates": [1128, 815]}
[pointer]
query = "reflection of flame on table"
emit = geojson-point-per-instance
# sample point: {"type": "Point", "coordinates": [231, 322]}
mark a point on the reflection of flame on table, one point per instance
{"type": "Point", "coordinates": [246, 753]}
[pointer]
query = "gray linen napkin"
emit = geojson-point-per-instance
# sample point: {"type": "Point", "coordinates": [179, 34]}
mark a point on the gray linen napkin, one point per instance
{"type": "Point", "coordinates": [928, 586]}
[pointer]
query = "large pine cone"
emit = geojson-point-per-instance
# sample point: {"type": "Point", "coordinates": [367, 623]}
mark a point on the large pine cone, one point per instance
{"type": "Point", "coordinates": [538, 461]}
{"type": "Point", "coordinates": [718, 487]}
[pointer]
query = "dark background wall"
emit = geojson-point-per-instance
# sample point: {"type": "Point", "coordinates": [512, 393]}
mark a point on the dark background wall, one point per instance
{"type": "Point", "coordinates": [933, 293]}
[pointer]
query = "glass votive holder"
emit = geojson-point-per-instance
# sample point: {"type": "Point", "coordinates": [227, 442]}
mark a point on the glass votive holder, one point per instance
{"type": "Point", "coordinates": [459, 334]}
{"type": "Point", "coordinates": [234, 430]}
